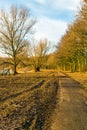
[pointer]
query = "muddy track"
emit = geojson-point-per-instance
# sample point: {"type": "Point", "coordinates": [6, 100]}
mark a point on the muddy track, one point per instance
{"type": "Point", "coordinates": [39, 84]}
{"type": "Point", "coordinates": [71, 109]}
{"type": "Point", "coordinates": [30, 109]}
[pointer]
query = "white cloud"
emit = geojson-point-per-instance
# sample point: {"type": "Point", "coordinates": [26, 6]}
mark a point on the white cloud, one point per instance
{"type": "Point", "coordinates": [53, 29]}
{"type": "Point", "coordinates": [50, 29]}
{"type": "Point", "coordinates": [65, 4]}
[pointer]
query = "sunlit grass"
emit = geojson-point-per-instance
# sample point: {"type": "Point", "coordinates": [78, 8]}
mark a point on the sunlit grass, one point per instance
{"type": "Point", "coordinates": [80, 77]}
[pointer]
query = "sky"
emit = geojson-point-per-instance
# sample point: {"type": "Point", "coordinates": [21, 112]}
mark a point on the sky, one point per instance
{"type": "Point", "coordinates": [53, 16]}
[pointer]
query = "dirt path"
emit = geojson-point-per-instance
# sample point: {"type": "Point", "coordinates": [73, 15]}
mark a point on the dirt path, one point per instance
{"type": "Point", "coordinates": [71, 110]}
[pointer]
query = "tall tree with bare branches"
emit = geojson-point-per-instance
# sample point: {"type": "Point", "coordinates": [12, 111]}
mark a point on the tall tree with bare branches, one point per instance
{"type": "Point", "coordinates": [38, 53]}
{"type": "Point", "coordinates": [15, 26]}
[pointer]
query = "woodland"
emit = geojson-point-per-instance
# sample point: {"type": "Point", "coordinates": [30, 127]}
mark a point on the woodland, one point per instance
{"type": "Point", "coordinates": [20, 52]}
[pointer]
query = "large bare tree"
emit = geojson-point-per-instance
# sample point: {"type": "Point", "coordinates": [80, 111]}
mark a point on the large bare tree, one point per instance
{"type": "Point", "coordinates": [15, 26]}
{"type": "Point", "coordinates": [38, 53]}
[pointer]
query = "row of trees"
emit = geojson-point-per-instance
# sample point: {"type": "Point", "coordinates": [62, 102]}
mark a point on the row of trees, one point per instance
{"type": "Point", "coordinates": [71, 51]}
{"type": "Point", "coordinates": [15, 27]}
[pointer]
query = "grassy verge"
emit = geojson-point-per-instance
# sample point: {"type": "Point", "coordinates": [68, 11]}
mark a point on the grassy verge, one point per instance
{"type": "Point", "coordinates": [80, 77]}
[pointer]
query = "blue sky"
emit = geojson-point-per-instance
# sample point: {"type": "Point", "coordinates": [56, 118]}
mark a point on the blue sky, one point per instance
{"type": "Point", "coordinates": [53, 16]}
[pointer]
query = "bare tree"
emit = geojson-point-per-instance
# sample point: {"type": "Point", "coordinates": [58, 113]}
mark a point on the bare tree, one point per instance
{"type": "Point", "coordinates": [15, 25]}
{"type": "Point", "coordinates": [38, 54]}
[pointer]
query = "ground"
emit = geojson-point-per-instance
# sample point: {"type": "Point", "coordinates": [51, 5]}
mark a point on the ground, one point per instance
{"type": "Point", "coordinates": [47, 100]}
{"type": "Point", "coordinates": [81, 77]}
{"type": "Point", "coordinates": [27, 100]}
{"type": "Point", "coordinates": [71, 108]}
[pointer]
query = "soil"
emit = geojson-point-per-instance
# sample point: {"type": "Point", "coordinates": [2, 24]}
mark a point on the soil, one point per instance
{"type": "Point", "coordinates": [71, 108]}
{"type": "Point", "coordinates": [27, 101]}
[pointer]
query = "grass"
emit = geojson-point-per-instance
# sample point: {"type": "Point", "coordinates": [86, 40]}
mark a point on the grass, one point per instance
{"type": "Point", "coordinates": [27, 100]}
{"type": "Point", "coordinates": [80, 77]}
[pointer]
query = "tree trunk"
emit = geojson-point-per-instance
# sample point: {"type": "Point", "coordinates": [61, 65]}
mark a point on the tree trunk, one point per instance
{"type": "Point", "coordinates": [15, 69]}
{"type": "Point", "coordinates": [37, 69]}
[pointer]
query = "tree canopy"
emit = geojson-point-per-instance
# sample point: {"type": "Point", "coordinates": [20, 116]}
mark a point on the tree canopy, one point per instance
{"type": "Point", "coordinates": [15, 25]}
{"type": "Point", "coordinates": [72, 49]}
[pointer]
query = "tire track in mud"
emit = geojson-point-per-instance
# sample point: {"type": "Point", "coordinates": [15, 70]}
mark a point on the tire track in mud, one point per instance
{"type": "Point", "coordinates": [36, 110]}
{"type": "Point", "coordinates": [23, 107]}
{"type": "Point", "coordinates": [41, 118]}
{"type": "Point", "coordinates": [18, 94]}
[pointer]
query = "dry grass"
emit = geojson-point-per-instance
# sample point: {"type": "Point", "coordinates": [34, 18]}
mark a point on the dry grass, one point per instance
{"type": "Point", "coordinates": [80, 77]}
{"type": "Point", "coordinates": [27, 100]}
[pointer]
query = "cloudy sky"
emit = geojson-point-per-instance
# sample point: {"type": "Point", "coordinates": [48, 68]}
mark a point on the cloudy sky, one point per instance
{"type": "Point", "coordinates": [53, 16]}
